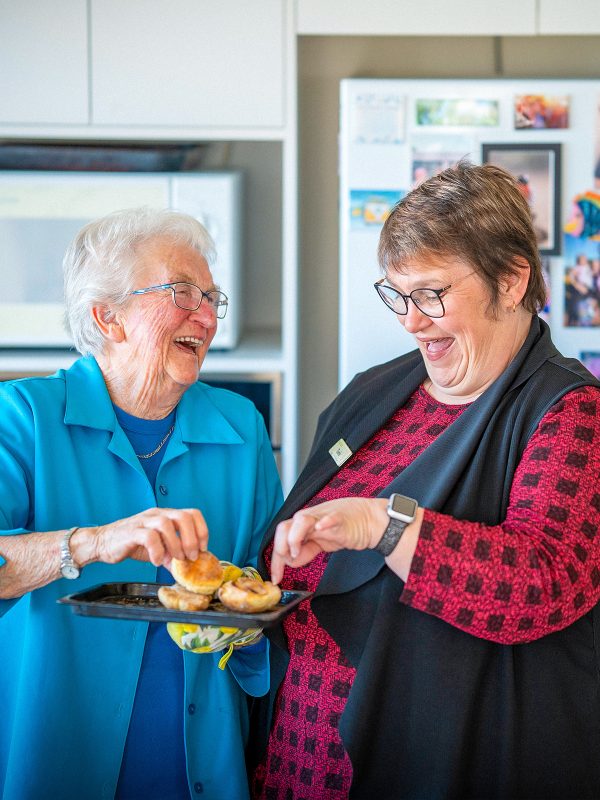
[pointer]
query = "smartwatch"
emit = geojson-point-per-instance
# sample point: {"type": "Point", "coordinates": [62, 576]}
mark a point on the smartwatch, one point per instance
{"type": "Point", "coordinates": [401, 511]}
{"type": "Point", "coordinates": [68, 567]}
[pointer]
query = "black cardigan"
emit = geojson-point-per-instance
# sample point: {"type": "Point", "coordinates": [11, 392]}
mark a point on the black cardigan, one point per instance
{"type": "Point", "coordinates": [435, 712]}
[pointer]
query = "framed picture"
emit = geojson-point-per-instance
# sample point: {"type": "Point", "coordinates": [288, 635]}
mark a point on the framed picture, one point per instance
{"type": "Point", "coordinates": [537, 170]}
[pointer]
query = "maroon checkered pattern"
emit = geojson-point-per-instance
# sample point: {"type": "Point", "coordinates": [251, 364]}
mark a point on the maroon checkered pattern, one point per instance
{"type": "Point", "coordinates": [535, 573]}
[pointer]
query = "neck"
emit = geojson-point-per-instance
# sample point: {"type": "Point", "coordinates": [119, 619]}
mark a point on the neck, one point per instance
{"type": "Point", "coordinates": [138, 394]}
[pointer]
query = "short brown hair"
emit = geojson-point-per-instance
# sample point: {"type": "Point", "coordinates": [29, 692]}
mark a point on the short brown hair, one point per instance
{"type": "Point", "coordinates": [475, 213]}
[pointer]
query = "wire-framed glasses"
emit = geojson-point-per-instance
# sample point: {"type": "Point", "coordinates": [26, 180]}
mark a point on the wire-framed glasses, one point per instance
{"type": "Point", "coordinates": [429, 301]}
{"type": "Point", "coordinates": [189, 297]}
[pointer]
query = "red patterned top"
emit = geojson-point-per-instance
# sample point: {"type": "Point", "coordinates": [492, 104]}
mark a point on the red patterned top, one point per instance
{"type": "Point", "coordinates": [537, 572]}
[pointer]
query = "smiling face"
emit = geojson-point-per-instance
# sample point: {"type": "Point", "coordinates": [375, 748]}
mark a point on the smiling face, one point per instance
{"type": "Point", "coordinates": [469, 347]}
{"type": "Point", "coordinates": [156, 349]}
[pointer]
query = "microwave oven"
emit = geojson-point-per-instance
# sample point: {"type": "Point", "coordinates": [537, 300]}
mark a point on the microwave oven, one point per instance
{"type": "Point", "coordinates": [40, 213]}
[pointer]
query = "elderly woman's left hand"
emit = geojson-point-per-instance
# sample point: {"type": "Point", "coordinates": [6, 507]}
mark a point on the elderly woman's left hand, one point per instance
{"type": "Point", "coordinates": [352, 523]}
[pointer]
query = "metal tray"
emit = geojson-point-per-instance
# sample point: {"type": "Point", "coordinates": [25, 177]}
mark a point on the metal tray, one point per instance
{"type": "Point", "coordinates": [139, 601]}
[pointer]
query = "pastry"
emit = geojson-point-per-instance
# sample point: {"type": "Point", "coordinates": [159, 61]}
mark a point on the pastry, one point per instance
{"type": "Point", "coordinates": [249, 595]}
{"type": "Point", "coordinates": [179, 599]}
{"type": "Point", "coordinates": [204, 575]}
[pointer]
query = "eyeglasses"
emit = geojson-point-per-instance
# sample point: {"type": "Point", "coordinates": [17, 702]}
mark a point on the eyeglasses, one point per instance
{"type": "Point", "coordinates": [189, 297]}
{"type": "Point", "coordinates": [429, 301]}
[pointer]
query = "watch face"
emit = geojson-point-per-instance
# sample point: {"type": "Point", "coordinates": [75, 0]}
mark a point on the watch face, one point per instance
{"type": "Point", "coordinates": [404, 505]}
{"type": "Point", "coordinates": [70, 572]}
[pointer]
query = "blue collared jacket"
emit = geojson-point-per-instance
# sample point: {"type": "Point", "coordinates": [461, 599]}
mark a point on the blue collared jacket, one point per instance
{"type": "Point", "coordinates": [67, 682]}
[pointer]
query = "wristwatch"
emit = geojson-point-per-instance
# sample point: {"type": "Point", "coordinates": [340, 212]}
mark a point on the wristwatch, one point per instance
{"type": "Point", "coordinates": [68, 567]}
{"type": "Point", "coordinates": [401, 511]}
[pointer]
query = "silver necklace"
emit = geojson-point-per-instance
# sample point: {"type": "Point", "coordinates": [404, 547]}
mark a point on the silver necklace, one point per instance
{"type": "Point", "coordinates": [156, 449]}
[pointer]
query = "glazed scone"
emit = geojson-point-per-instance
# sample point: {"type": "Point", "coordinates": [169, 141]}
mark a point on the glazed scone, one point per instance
{"type": "Point", "coordinates": [249, 595]}
{"type": "Point", "coordinates": [179, 599]}
{"type": "Point", "coordinates": [204, 575]}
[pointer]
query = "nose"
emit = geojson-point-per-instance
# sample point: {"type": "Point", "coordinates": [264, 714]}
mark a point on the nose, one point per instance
{"type": "Point", "coordinates": [206, 315]}
{"type": "Point", "coordinates": [414, 320]}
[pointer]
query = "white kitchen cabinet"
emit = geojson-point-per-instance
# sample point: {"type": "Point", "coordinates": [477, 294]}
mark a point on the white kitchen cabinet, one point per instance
{"type": "Point", "coordinates": [188, 62]}
{"type": "Point", "coordinates": [43, 62]}
{"type": "Point", "coordinates": [418, 17]}
{"type": "Point", "coordinates": [219, 74]}
{"type": "Point", "coordinates": [557, 17]}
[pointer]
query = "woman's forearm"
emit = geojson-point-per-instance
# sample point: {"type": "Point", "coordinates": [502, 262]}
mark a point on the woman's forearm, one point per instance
{"type": "Point", "coordinates": [32, 561]}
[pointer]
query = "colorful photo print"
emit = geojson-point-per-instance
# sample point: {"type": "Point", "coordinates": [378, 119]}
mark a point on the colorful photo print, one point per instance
{"type": "Point", "coordinates": [591, 360]}
{"type": "Point", "coordinates": [458, 112]}
{"type": "Point", "coordinates": [370, 208]}
{"type": "Point", "coordinates": [581, 283]}
{"type": "Point", "coordinates": [584, 217]}
{"type": "Point", "coordinates": [539, 111]}
{"type": "Point", "coordinates": [597, 148]}
{"type": "Point", "coordinates": [545, 311]}
{"type": "Point", "coordinates": [432, 154]}
{"type": "Point", "coordinates": [537, 170]}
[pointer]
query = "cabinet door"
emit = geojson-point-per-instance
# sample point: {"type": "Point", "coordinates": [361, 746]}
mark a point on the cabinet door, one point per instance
{"type": "Point", "coordinates": [557, 17]}
{"type": "Point", "coordinates": [188, 62]}
{"type": "Point", "coordinates": [43, 62]}
{"type": "Point", "coordinates": [417, 17]}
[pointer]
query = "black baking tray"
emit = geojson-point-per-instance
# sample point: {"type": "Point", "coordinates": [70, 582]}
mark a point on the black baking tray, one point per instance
{"type": "Point", "coordinates": [139, 601]}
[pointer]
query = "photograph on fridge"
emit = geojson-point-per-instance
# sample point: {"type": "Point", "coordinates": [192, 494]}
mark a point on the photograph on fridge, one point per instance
{"type": "Point", "coordinates": [537, 170]}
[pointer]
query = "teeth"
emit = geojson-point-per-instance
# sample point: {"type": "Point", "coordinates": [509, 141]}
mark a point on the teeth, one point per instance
{"type": "Point", "coordinates": [190, 340]}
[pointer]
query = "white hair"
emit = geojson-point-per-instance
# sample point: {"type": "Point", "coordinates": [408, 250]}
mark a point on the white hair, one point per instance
{"type": "Point", "coordinates": [99, 267]}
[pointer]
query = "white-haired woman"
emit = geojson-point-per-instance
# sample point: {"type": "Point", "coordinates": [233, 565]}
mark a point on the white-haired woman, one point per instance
{"type": "Point", "coordinates": [109, 470]}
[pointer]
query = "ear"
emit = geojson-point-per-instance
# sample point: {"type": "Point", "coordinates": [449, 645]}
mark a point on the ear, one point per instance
{"type": "Point", "coordinates": [514, 286]}
{"type": "Point", "coordinates": [108, 323]}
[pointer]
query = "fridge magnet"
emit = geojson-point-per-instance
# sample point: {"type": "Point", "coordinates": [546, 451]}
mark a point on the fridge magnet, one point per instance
{"type": "Point", "coordinates": [539, 111]}
{"type": "Point", "coordinates": [462, 112]}
{"type": "Point", "coordinates": [432, 154]}
{"type": "Point", "coordinates": [377, 117]}
{"type": "Point", "coordinates": [591, 360]}
{"type": "Point", "coordinates": [584, 218]}
{"type": "Point", "coordinates": [537, 170]}
{"type": "Point", "coordinates": [581, 283]}
{"type": "Point", "coordinates": [370, 208]}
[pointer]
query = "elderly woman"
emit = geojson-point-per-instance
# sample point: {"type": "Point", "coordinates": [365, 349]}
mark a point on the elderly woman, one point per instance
{"type": "Point", "coordinates": [447, 520]}
{"type": "Point", "coordinates": [109, 470]}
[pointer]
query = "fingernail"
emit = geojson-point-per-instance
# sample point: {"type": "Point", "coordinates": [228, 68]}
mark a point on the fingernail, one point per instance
{"type": "Point", "coordinates": [294, 552]}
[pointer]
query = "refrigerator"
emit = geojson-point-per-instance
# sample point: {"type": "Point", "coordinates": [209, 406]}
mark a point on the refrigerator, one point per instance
{"type": "Point", "coordinates": [396, 132]}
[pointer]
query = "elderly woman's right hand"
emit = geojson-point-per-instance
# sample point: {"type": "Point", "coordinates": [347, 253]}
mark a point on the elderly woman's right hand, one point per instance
{"type": "Point", "coordinates": [156, 535]}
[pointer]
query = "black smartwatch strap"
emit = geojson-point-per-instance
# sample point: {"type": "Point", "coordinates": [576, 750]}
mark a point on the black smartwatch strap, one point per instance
{"type": "Point", "coordinates": [391, 536]}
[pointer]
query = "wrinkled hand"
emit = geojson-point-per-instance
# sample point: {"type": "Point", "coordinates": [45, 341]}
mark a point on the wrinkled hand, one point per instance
{"type": "Point", "coordinates": [352, 523]}
{"type": "Point", "coordinates": [156, 535]}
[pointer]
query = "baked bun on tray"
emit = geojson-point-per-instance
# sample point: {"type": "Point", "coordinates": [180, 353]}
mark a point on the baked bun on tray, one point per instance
{"type": "Point", "coordinates": [249, 595]}
{"type": "Point", "coordinates": [179, 599]}
{"type": "Point", "coordinates": [204, 575]}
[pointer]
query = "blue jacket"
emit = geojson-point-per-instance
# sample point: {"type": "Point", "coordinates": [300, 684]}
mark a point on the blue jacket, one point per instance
{"type": "Point", "coordinates": [67, 682]}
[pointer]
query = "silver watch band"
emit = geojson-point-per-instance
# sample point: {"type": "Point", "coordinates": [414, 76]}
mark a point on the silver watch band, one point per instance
{"type": "Point", "coordinates": [66, 557]}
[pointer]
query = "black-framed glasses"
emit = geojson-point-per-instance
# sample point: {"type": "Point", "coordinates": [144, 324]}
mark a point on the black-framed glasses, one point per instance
{"type": "Point", "coordinates": [429, 301]}
{"type": "Point", "coordinates": [189, 296]}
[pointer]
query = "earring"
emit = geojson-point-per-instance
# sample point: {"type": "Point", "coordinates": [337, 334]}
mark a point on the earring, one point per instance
{"type": "Point", "coordinates": [514, 308]}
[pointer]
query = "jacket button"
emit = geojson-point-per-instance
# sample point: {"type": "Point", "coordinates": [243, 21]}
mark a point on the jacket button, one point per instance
{"type": "Point", "coordinates": [198, 787]}
{"type": "Point", "coordinates": [192, 708]}
{"type": "Point", "coordinates": [163, 489]}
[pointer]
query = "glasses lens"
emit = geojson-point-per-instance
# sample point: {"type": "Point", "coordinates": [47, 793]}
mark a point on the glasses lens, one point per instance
{"type": "Point", "coordinates": [218, 302]}
{"type": "Point", "coordinates": [187, 296]}
{"type": "Point", "coordinates": [392, 299]}
{"type": "Point", "coordinates": [428, 302]}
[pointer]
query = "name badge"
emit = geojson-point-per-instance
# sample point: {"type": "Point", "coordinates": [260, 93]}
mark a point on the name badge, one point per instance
{"type": "Point", "coordinates": [340, 452]}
